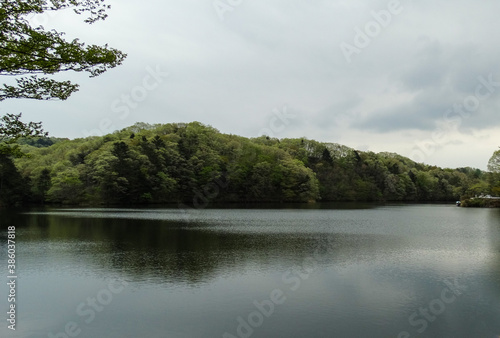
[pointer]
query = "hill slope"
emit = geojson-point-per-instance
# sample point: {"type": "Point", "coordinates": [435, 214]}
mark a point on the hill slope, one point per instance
{"type": "Point", "coordinates": [195, 164]}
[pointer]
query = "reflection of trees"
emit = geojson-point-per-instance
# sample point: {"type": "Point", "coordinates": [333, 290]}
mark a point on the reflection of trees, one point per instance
{"type": "Point", "coordinates": [494, 236]}
{"type": "Point", "coordinates": [192, 252]}
{"type": "Point", "coordinates": [489, 295]}
{"type": "Point", "coordinates": [198, 251]}
{"type": "Point", "coordinates": [175, 252]}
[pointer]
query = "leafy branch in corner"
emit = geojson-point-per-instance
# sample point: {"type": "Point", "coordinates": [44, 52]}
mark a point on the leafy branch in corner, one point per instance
{"type": "Point", "coordinates": [12, 129]}
{"type": "Point", "coordinates": [27, 50]}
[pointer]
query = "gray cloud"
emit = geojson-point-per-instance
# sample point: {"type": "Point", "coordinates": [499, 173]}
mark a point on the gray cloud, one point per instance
{"type": "Point", "coordinates": [233, 73]}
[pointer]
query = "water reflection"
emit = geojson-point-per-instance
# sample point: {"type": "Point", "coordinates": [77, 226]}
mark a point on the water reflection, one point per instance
{"type": "Point", "coordinates": [176, 251]}
{"type": "Point", "coordinates": [345, 272]}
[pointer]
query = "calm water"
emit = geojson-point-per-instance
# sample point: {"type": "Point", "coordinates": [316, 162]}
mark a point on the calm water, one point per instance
{"type": "Point", "coordinates": [318, 271]}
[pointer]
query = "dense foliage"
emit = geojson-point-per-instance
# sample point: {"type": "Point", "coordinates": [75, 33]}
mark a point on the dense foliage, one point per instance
{"type": "Point", "coordinates": [194, 164]}
{"type": "Point", "coordinates": [27, 51]}
{"type": "Point", "coordinates": [12, 129]}
{"type": "Point", "coordinates": [494, 167]}
{"type": "Point", "coordinates": [481, 203]}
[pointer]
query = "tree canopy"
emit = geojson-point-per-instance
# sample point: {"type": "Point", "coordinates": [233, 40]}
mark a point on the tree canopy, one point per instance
{"type": "Point", "coordinates": [494, 167]}
{"type": "Point", "coordinates": [12, 129]}
{"type": "Point", "coordinates": [494, 162]}
{"type": "Point", "coordinates": [27, 52]}
{"type": "Point", "coordinates": [195, 164]}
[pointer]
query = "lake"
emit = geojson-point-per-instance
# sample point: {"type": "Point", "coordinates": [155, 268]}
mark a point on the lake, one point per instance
{"type": "Point", "coordinates": [320, 270]}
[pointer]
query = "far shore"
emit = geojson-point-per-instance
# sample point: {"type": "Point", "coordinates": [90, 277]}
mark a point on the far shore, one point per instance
{"type": "Point", "coordinates": [481, 202]}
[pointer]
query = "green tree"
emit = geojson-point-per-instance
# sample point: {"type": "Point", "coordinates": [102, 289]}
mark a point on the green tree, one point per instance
{"type": "Point", "coordinates": [298, 183]}
{"type": "Point", "coordinates": [494, 162]}
{"type": "Point", "coordinates": [66, 187]}
{"type": "Point", "coordinates": [11, 129]}
{"type": "Point", "coordinates": [494, 167]}
{"type": "Point", "coordinates": [427, 186]}
{"type": "Point", "coordinates": [477, 189]}
{"type": "Point", "coordinates": [262, 187]}
{"type": "Point", "coordinates": [180, 162]}
{"type": "Point", "coordinates": [27, 51]}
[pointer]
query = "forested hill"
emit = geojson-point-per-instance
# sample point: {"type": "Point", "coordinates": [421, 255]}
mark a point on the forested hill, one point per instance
{"type": "Point", "coordinates": [196, 164]}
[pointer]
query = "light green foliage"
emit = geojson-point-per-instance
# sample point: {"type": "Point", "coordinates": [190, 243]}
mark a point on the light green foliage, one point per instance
{"type": "Point", "coordinates": [298, 183]}
{"type": "Point", "coordinates": [66, 187]}
{"type": "Point", "coordinates": [478, 189]}
{"type": "Point", "coordinates": [494, 178]}
{"type": "Point", "coordinates": [494, 162]}
{"type": "Point", "coordinates": [183, 162]}
{"type": "Point", "coordinates": [27, 52]}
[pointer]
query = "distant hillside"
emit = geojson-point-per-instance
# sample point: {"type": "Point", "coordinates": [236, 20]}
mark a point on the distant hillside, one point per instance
{"type": "Point", "coordinates": [40, 142]}
{"type": "Point", "coordinates": [195, 164]}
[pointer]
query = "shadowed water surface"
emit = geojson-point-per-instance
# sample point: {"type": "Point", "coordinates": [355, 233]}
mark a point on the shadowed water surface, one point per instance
{"type": "Point", "coordinates": [367, 271]}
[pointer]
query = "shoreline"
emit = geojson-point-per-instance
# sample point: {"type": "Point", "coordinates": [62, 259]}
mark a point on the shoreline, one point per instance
{"type": "Point", "coordinates": [478, 202]}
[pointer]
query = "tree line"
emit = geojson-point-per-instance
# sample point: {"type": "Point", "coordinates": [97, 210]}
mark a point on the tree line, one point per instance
{"type": "Point", "coordinates": [181, 163]}
{"type": "Point", "coordinates": [195, 163]}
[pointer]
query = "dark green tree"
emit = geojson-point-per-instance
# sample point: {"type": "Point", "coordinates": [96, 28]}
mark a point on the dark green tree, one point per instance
{"type": "Point", "coordinates": [327, 157]}
{"type": "Point", "coordinates": [43, 184]}
{"type": "Point", "coordinates": [195, 164]}
{"type": "Point", "coordinates": [13, 187]}
{"type": "Point", "coordinates": [28, 55]}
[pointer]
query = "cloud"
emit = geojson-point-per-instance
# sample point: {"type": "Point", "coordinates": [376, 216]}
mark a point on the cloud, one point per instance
{"type": "Point", "coordinates": [232, 73]}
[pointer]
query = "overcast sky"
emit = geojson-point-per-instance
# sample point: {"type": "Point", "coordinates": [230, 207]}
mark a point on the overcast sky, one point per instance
{"type": "Point", "coordinates": [420, 78]}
